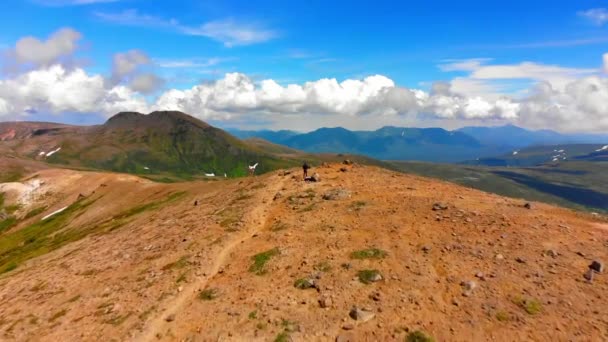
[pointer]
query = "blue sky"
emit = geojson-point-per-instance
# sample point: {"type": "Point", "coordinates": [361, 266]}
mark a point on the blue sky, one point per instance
{"type": "Point", "coordinates": [414, 45]}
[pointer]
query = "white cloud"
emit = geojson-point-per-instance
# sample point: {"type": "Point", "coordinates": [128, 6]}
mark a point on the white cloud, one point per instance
{"type": "Point", "coordinates": [124, 64]}
{"type": "Point", "coordinates": [71, 2]}
{"type": "Point", "coordinates": [469, 64]}
{"type": "Point", "coordinates": [58, 90]}
{"type": "Point", "coordinates": [229, 31]}
{"type": "Point", "coordinates": [598, 16]}
{"type": "Point", "coordinates": [31, 50]}
{"type": "Point", "coordinates": [146, 83]}
{"type": "Point", "coordinates": [605, 60]}
{"type": "Point", "coordinates": [190, 63]}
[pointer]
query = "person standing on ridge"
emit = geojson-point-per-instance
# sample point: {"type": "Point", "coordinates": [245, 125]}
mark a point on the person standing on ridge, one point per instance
{"type": "Point", "coordinates": [305, 168]}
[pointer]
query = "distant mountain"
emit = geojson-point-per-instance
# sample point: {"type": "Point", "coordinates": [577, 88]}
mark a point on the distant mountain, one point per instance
{"type": "Point", "coordinates": [389, 143]}
{"type": "Point", "coordinates": [510, 136]}
{"type": "Point", "coordinates": [421, 144]}
{"type": "Point", "coordinates": [276, 137]}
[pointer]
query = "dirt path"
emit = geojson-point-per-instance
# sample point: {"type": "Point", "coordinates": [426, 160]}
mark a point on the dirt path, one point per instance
{"type": "Point", "coordinates": [257, 216]}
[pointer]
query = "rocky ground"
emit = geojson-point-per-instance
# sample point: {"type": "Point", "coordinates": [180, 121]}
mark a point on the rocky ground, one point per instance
{"type": "Point", "coordinates": [365, 254]}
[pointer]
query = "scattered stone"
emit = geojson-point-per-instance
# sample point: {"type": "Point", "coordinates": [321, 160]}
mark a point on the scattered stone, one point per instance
{"type": "Point", "coordinates": [480, 275]}
{"type": "Point", "coordinates": [170, 318]}
{"type": "Point", "coordinates": [552, 253]}
{"type": "Point", "coordinates": [520, 260]}
{"type": "Point", "coordinates": [277, 196]}
{"type": "Point", "coordinates": [336, 194]}
{"type": "Point", "coordinates": [361, 315]}
{"type": "Point", "coordinates": [343, 169]}
{"type": "Point", "coordinates": [455, 302]}
{"type": "Point", "coordinates": [195, 203]}
{"type": "Point", "coordinates": [468, 287]}
{"type": "Point", "coordinates": [597, 266]}
{"type": "Point", "coordinates": [499, 257]}
{"type": "Point", "coordinates": [439, 206]}
{"type": "Point", "coordinates": [589, 275]}
{"type": "Point", "coordinates": [304, 284]}
{"type": "Point", "coordinates": [347, 162]}
{"type": "Point", "coordinates": [528, 205]}
{"type": "Point", "coordinates": [325, 302]}
{"type": "Point", "coordinates": [426, 249]}
{"type": "Point", "coordinates": [315, 177]}
{"type": "Point", "coordinates": [348, 326]}
{"type": "Point", "coordinates": [376, 296]}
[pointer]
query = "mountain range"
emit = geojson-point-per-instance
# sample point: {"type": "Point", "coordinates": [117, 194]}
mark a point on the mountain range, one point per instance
{"type": "Point", "coordinates": [422, 144]}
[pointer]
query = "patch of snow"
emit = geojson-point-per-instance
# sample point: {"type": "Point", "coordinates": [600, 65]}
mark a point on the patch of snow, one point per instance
{"type": "Point", "coordinates": [53, 152]}
{"type": "Point", "coordinates": [602, 149]}
{"type": "Point", "coordinates": [146, 168]}
{"type": "Point", "coordinates": [555, 159]}
{"type": "Point", "coordinates": [561, 151]}
{"type": "Point", "coordinates": [42, 153]}
{"type": "Point", "coordinates": [515, 153]}
{"type": "Point", "coordinates": [53, 213]}
{"type": "Point", "coordinates": [210, 174]}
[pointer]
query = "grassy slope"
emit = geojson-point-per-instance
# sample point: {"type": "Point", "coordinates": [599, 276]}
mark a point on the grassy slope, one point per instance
{"type": "Point", "coordinates": [579, 185]}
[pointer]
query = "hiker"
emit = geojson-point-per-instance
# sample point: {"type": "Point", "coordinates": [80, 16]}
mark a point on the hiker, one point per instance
{"type": "Point", "coordinates": [252, 169]}
{"type": "Point", "coordinates": [305, 168]}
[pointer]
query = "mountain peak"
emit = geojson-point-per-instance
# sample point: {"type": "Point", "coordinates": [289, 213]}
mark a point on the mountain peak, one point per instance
{"type": "Point", "coordinates": [135, 119]}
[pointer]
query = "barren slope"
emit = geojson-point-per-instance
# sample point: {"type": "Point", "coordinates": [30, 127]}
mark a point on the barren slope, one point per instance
{"type": "Point", "coordinates": [154, 266]}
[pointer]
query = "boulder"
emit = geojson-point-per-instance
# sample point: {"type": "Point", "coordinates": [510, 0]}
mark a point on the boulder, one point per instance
{"type": "Point", "coordinates": [439, 206]}
{"type": "Point", "coordinates": [361, 315]}
{"type": "Point", "coordinates": [597, 266]}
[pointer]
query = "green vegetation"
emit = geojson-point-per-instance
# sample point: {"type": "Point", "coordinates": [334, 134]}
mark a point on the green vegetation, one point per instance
{"type": "Point", "coordinates": [35, 212]}
{"type": "Point", "coordinates": [530, 305]}
{"type": "Point", "coordinates": [282, 337]}
{"type": "Point", "coordinates": [7, 223]}
{"type": "Point", "coordinates": [259, 261]}
{"type": "Point", "coordinates": [302, 284]}
{"type": "Point", "coordinates": [418, 336]}
{"type": "Point", "coordinates": [181, 278]}
{"type": "Point", "coordinates": [40, 237]}
{"type": "Point", "coordinates": [503, 316]}
{"type": "Point", "coordinates": [178, 264]}
{"type": "Point", "coordinates": [370, 253]}
{"type": "Point", "coordinates": [47, 235]}
{"type": "Point", "coordinates": [208, 294]}
{"type": "Point", "coordinates": [253, 314]}
{"type": "Point", "coordinates": [357, 205]}
{"type": "Point", "coordinates": [368, 276]}
{"type": "Point", "coordinates": [278, 226]}
{"type": "Point", "coordinates": [323, 266]}
{"type": "Point", "coordinates": [11, 176]}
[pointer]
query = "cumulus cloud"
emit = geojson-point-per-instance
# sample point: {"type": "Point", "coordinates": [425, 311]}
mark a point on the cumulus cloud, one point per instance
{"type": "Point", "coordinates": [228, 31]}
{"type": "Point", "coordinates": [146, 83]}
{"type": "Point", "coordinates": [125, 64]}
{"type": "Point", "coordinates": [32, 51]}
{"type": "Point", "coordinates": [598, 16]}
{"type": "Point", "coordinates": [57, 90]}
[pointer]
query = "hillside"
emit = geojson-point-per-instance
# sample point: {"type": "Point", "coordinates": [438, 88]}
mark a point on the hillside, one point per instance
{"type": "Point", "coordinates": [579, 183]}
{"type": "Point", "coordinates": [273, 258]}
{"type": "Point", "coordinates": [547, 154]}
